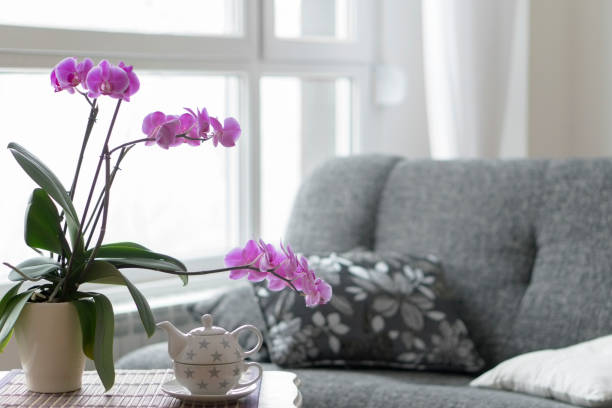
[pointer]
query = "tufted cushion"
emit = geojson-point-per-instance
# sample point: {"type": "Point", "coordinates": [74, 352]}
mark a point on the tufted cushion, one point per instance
{"type": "Point", "coordinates": [526, 244]}
{"type": "Point", "coordinates": [334, 209]}
{"type": "Point", "coordinates": [477, 217]}
{"type": "Point", "coordinates": [569, 299]}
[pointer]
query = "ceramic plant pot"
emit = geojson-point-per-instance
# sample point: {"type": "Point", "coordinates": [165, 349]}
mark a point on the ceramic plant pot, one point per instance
{"type": "Point", "coordinates": [49, 341]}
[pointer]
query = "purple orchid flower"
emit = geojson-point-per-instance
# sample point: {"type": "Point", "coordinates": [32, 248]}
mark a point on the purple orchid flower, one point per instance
{"type": "Point", "coordinates": [193, 128]}
{"type": "Point", "coordinates": [279, 268]}
{"type": "Point", "coordinates": [189, 128]}
{"type": "Point", "coordinates": [165, 135]}
{"type": "Point", "coordinates": [289, 268]}
{"type": "Point", "coordinates": [150, 123]}
{"type": "Point", "coordinates": [162, 129]}
{"type": "Point", "coordinates": [107, 79]}
{"type": "Point", "coordinates": [249, 255]}
{"type": "Point", "coordinates": [316, 291]}
{"type": "Point", "coordinates": [134, 83]}
{"type": "Point", "coordinates": [227, 134]}
{"type": "Point", "coordinates": [203, 122]}
{"type": "Point", "coordinates": [69, 73]}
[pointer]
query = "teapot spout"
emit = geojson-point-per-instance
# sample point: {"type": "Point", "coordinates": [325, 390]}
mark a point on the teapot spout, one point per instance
{"type": "Point", "coordinates": [177, 340]}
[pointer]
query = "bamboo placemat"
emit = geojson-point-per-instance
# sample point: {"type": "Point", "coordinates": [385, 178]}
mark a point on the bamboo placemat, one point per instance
{"type": "Point", "coordinates": [133, 388]}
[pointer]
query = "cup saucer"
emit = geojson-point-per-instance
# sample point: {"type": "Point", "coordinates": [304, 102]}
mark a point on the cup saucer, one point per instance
{"type": "Point", "coordinates": [176, 390]}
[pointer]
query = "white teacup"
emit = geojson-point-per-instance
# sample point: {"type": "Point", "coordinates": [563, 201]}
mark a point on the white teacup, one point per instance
{"type": "Point", "coordinates": [214, 379]}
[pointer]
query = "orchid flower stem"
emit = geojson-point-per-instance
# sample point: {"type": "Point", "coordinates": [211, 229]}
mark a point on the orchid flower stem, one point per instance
{"type": "Point", "coordinates": [93, 113]}
{"type": "Point", "coordinates": [92, 189]}
{"type": "Point", "coordinates": [87, 98]}
{"type": "Point", "coordinates": [130, 144]}
{"type": "Point", "coordinates": [107, 186]}
{"type": "Point", "coordinates": [233, 268]}
{"type": "Point", "coordinates": [202, 139]}
{"type": "Point", "coordinates": [55, 290]}
{"type": "Point", "coordinates": [97, 211]}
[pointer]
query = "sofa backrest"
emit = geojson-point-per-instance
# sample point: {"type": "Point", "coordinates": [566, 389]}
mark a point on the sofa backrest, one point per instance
{"type": "Point", "coordinates": [526, 244]}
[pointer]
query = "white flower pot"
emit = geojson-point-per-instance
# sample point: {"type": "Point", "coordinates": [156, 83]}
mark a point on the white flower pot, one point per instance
{"type": "Point", "coordinates": [49, 341]}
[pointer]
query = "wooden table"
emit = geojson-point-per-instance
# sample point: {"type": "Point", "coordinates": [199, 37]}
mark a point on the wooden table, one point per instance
{"type": "Point", "coordinates": [279, 389]}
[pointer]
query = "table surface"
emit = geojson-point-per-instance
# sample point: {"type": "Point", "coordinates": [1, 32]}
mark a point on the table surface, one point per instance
{"type": "Point", "coordinates": [279, 389]}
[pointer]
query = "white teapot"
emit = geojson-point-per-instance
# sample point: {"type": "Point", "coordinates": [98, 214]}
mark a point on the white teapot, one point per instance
{"type": "Point", "coordinates": [208, 344]}
{"type": "Point", "coordinates": [209, 360]}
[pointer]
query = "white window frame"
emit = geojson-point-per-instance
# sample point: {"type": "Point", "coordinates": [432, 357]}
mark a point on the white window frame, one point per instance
{"type": "Point", "coordinates": [355, 49]}
{"type": "Point", "coordinates": [249, 57]}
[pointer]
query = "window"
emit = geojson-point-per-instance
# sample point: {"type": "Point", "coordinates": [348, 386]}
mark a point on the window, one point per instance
{"type": "Point", "coordinates": [184, 17]}
{"type": "Point", "coordinates": [192, 203]}
{"type": "Point", "coordinates": [304, 121]}
{"type": "Point", "coordinates": [312, 19]}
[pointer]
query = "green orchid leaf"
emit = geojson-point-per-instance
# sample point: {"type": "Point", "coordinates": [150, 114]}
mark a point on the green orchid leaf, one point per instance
{"type": "Point", "coordinates": [131, 255]}
{"type": "Point", "coordinates": [87, 317]}
{"type": "Point", "coordinates": [49, 182]}
{"type": "Point", "coordinates": [8, 296]}
{"type": "Point", "coordinates": [151, 264]}
{"type": "Point", "coordinates": [128, 244]}
{"type": "Point", "coordinates": [6, 340]}
{"type": "Point", "coordinates": [103, 340]}
{"type": "Point", "coordinates": [42, 224]}
{"type": "Point", "coordinates": [106, 273]}
{"type": "Point", "coordinates": [131, 250]}
{"type": "Point", "coordinates": [11, 313]}
{"type": "Point", "coordinates": [35, 268]}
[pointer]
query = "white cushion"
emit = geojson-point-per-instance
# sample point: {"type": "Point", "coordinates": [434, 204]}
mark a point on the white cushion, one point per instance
{"type": "Point", "coordinates": [579, 374]}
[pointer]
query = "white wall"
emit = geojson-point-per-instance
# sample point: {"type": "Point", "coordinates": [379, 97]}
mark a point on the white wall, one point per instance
{"type": "Point", "coordinates": [570, 93]}
{"type": "Point", "coordinates": [550, 76]}
{"type": "Point", "coordinates": [591, 93]}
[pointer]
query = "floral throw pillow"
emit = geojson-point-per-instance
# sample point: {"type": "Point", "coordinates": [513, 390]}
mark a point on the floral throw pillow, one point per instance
{"type": "Point", "coordinates": [386, 311]}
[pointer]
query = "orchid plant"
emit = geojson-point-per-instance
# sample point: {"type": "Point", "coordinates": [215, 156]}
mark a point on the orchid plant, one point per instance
{"type": "Point", "coordinates": [77, 253]}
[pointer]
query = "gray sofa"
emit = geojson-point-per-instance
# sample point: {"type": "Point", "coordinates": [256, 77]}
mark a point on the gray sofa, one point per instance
{"type": "Point", "coordinates": [526, 246]}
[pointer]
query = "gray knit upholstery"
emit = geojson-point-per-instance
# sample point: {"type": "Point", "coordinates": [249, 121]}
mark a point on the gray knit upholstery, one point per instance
{"type": "Point", "coordinates": [526, 246]}
{"type": "Point", "coordinates": [569, 298]}
{"type": "Point", "coordinates": [335, 208]}
{"type": "Point", "coordinates": [367, 388]}
{"type": "Point", "coordinates": [478, 218]}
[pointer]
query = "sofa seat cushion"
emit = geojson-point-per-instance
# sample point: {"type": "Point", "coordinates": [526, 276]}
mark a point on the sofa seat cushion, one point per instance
{"type": "Point", "coordinates": [369, 388]}
{"type": "Point", "coordinates": [146, 358]}
{"type": "Point", "coordinates": [323, 388]}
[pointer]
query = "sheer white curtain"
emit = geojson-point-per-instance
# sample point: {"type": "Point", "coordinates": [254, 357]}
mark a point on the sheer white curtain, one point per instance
{"type": "Point", "coordinates": [468, 48]}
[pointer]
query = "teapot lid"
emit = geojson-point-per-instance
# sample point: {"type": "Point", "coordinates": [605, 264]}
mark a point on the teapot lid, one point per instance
{"type": "Point", "coordinates": [208, 329]}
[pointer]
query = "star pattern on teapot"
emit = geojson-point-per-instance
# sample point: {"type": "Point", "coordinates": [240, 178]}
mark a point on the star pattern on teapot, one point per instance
{"type": "Point", "coordinates": [216, 356]}
{"type": "Point", "coordinates": [214, 372]}
{"type": "Point", "coordinates": [209, 359]}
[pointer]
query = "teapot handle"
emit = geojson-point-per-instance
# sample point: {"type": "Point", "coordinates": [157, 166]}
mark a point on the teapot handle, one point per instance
{"type": "Point", "coordinates": [236, 333]}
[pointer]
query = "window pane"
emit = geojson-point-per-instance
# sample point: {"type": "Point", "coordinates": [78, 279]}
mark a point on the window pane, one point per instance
{"type": "Point", "coordinates": [184, 17]}
{"type": "Point", "coordinates": [304, 122]}
{"type": "Point", "coordinates": [175, 201]}
{"type": "Point", "coordinates": [318, 19]}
